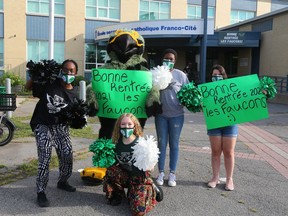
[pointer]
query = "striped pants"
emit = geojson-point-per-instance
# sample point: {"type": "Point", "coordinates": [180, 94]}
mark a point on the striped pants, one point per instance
{"type": "Point", "coordinates": [57, 136]}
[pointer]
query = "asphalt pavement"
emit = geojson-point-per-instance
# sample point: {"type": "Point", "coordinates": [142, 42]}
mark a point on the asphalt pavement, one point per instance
{"type": "Point", "coordinates": [260, 176]}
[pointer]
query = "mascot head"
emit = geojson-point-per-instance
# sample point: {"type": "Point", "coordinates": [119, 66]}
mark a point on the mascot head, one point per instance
{"type": "Point", "coordinates": [125, 43]}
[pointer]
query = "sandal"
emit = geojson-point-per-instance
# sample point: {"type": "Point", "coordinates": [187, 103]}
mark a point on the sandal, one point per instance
{"type": "Point", "coordinates": [229, 186]}
{"type": "Point", "coordinates": [213, 184]}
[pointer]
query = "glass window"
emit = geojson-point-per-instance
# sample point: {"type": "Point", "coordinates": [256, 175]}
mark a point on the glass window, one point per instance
{"type": "Point", "coordinates": [102, 3]}
{"type": "Point", "coordinates": [195, 11]}
{"type": "Point", "coordinates": [1, 5]}
{"type": "Point", "coordinates": [38, 50]}
{"type": "Point", "coordinates": [211, 12]}
{"type": "Point", "coordinates": [59, 51]}
{"type": "Point", "coordinates": [59, 7]}
{"type": "Point", "coordinates": [154, 10]}
{"type": "Point", "coordinates": [238, 16]}
{"type": "Point", "coordinates": [91, 12]}
{"type": "Point", "coordinates": [95, 56]}
{"type": "Point", "coordinates": [90, 56]}
{"type": "Point", "coordinates": [103, 9]}
{"type": "Point", "coordinates": [1, 53]}
{"type": "Point", "coordinates": [103, 12]}
{"type": "Point", "coordinates": [42, 7]}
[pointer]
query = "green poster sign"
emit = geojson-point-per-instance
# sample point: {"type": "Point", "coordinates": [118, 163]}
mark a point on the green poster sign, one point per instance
{"type": "Point", "coordinates": [121, 91]}
{"type": "Point", "coordinates": [232, 101]}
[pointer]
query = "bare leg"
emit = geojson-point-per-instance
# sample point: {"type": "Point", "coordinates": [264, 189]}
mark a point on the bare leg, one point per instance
{"type": "Point", "coordinates": [216, 148]}
{"type": "Point", "coordinates": [228, 151]}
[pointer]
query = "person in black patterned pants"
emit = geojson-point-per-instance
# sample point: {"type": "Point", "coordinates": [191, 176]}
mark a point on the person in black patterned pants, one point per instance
{"type": "Point", "coordinates": [50, 131]}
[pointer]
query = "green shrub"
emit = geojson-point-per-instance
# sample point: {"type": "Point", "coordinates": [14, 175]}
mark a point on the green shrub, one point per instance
{"type": "Point", "coordinates": [15, 79]}
{"type": "Point", "coordinates": [78, 79]}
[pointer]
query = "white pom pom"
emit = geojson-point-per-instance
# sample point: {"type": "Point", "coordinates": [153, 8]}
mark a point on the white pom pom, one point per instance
{"type": "Point", "coordinates": [146, 153]}
{"type": "Point", "coordinates": [161, 77]}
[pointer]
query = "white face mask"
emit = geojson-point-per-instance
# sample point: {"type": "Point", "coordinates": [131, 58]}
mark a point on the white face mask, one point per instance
{"type": "Point", "coordinates": [68, 78]}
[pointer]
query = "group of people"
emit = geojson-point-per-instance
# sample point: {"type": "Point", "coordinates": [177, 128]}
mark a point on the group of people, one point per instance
{"type": "Point", "coordinates": [142, 193]}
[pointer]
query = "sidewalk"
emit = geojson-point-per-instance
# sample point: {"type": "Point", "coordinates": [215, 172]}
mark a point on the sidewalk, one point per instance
{"type": "Point", "coordinates": [260, 176]}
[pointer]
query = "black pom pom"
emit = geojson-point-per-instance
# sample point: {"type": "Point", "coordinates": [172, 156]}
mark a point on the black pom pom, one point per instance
{"type": "Point", "coordinates": [43, 72]}
{"type": "Point", "coordinates": [74, 114]}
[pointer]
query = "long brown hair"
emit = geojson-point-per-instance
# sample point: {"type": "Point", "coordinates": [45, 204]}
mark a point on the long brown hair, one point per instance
{"type": "Point", "coordinates": [137, 127]}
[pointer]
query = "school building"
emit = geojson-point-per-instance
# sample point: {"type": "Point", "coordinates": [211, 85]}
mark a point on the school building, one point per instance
{"type": "Point", "coordinates": [248, 36]}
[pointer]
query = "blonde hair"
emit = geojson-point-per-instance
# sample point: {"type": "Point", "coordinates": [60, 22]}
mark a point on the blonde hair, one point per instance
{"type": "Point", "coordinates": [116, 131]}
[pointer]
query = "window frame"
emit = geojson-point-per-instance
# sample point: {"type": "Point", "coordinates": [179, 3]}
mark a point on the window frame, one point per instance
{"type": "Point", "coordinates": [39, 2]}
{"type": "Point", "coordinates": [97, 63]}
{"type": "Point", "coordinates": [45, 43]}
{"type": "Point", "coordinates": [150, 11]}
{"type": "Point", "coordinates": [234, 21]}
{"type": "Point", "coordinates": [109, 9]}
{"type": "Point", "coordinates": [199, 8]}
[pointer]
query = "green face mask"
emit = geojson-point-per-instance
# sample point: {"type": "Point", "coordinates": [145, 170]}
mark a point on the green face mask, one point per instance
{"type": "Point", "coordinates": [168, 63]}
{"type": "Point", "coordinates": [68, 78]}
{"type": "Point", "coordinates": [126, 132]}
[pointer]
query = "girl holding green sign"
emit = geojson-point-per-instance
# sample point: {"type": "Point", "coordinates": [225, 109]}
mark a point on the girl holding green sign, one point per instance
{"type": "Point", "coordinates": [222, 140]}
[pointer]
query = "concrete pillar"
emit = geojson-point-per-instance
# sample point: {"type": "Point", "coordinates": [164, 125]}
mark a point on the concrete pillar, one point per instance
{"type": "Point", "coordinates": [8, 91]}
{"type": "Point", "coordinates": [82, 93]}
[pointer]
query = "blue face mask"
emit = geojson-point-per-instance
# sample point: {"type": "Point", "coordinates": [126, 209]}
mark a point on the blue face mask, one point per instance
{"type": "Point", "coordinates": [168, 63]}
{"type": "Point", "coordinates": [217, 78]}
{"type": "Point", "coordinates": [126, 132]}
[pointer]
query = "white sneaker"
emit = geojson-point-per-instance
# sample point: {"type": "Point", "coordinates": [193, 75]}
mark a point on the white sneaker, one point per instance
{"type": "Point", "coordinates": [172, 180]}
{"type": "Point", "coordinates": [160, 178]}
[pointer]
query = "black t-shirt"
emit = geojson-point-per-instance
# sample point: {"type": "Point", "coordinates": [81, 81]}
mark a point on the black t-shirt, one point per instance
{"type": "Point", "coordinates": [54, 98]}
{"type": "Point", "coordinates": [124, 156]}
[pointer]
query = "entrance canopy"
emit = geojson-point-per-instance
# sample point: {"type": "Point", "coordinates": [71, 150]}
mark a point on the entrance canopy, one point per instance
{"type": "Point", "coordinates": [181, 32]}
{"type": "Point", "coordinates": [159, 28]}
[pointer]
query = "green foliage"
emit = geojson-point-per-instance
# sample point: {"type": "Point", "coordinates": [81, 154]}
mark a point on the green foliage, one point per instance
{"type": "Point", "coordinates": [86, 132]}
{"type": "Point", "coordinates": [80, 78]}
{"type": "Point", "coordinates": [23, 128]}
{"type": "Point", "coordinates": [24, 170]}
{"type": "Point", "coordinates": [15, 79]}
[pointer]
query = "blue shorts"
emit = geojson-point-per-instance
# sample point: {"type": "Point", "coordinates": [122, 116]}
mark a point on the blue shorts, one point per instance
{"type": "Point", "coordinates": [229, 131]}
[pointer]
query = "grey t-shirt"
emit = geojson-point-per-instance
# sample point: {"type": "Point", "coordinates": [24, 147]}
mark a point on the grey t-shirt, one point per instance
{"type": "Point", "coordinates": [171, 106]}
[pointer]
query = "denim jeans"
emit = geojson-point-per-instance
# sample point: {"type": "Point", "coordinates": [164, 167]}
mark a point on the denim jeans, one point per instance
{"type": "Point", "coordinates": [168, 129]}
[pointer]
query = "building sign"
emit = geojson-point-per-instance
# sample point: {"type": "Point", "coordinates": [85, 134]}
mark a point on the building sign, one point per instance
{"type": "Point", "coordinates": [158, 27]}
{"type": "Point", "coordinates": [231, 38]}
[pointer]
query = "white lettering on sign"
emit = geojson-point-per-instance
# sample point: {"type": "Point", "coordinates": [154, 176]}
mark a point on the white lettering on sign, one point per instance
{"type": "Point", "coordinates": [232, 38]}
{"type": "Point", "coordinates": [158, 27]}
